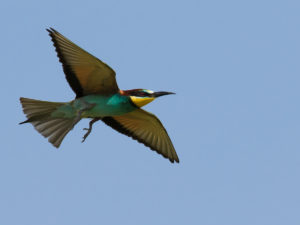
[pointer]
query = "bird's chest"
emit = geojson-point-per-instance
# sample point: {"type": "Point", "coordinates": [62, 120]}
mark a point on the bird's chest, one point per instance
{"type": "Point", "coordinates": [104, 105]}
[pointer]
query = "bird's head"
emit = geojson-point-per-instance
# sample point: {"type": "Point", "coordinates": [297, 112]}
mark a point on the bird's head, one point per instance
{"type": "Point", "coordinates": [141, 97]}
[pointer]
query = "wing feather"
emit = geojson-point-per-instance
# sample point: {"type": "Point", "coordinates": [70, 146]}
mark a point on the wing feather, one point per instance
{"type": "Point", "coordinates": [85, 73]}
{"type": "Point", "coordinates": [146, 128]}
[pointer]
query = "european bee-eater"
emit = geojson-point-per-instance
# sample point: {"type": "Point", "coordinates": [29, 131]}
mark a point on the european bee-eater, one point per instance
{"type": "Point", "coordinates": [98, 98]}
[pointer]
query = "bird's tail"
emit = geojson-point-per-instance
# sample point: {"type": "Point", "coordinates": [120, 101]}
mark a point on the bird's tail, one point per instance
{"type": "Point", "coordinates": [38, 113]}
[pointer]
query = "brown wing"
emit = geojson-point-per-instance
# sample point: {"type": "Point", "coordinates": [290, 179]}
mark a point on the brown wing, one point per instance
{"type": "Point", "coordinates": [145, 128]}
{"type": "Point", "coordinates": [85, 73]}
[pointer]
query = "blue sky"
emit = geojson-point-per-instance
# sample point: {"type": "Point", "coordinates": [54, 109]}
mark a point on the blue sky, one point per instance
{"type": "Point", "coordinates": [234, 120]}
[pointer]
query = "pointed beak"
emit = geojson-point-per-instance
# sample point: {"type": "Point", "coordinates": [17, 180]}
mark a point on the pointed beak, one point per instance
{"type": "Point", "coordinates": [161, 93]}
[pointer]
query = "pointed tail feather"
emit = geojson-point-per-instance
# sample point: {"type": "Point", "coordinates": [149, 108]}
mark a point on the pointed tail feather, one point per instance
{"type": "Point", "coordinates": [38, 113]}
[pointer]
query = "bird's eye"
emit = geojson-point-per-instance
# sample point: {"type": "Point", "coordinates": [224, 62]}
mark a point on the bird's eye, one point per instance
{"type": "Point", "coordinates": [140, 94]}
{"type": "Point", "coordinates": [144, 94]}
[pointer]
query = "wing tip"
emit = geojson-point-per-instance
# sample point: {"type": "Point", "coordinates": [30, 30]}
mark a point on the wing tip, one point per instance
{"type": "Point", "coordinates": [175, 160]}
{"type": "Point", "coordinates": [51, 30]}
{"type": "Point", "coordinates": [171, 159]}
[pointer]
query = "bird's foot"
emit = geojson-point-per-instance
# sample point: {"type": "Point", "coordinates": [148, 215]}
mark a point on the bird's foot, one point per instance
{"type": "Point", "coordinates": [86, 134]}
{"type": "Point", "coordinates": [89, 130]}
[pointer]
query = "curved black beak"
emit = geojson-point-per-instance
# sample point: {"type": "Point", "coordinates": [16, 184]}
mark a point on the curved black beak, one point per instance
{"type": "Point", "coordinates": [161, 93]}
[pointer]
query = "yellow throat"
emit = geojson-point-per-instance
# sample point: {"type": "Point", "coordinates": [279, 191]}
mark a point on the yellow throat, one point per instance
{"type": "Point", "coordinates": [141, 101]}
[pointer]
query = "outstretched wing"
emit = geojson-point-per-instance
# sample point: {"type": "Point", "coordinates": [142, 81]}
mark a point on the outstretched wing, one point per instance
{"type": "Point", "coordinates": [146, 128]}
{"type": "Point", "coordinates": [85, 73]}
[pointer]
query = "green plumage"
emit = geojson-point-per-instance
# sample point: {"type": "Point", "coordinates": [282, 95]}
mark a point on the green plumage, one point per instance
{"type": "Point", "coordinates": [95, 106]}
{"type": "Point", "coordinates": [107, 106]}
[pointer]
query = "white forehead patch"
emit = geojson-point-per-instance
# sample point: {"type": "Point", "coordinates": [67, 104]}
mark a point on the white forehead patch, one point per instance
{"type": "Point", "coordinates": [149, 91]}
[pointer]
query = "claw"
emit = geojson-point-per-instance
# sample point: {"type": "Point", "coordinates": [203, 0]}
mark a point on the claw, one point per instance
{"type": "Point", "coordinates": [89, 130]}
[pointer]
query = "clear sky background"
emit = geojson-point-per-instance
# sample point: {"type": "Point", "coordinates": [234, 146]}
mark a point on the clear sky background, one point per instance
{"type": "Point", "coordinates": [235, 121]}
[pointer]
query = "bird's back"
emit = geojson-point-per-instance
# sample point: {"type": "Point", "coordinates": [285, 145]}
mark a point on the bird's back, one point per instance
{"type": "Point", "coordinates": [113, 105]}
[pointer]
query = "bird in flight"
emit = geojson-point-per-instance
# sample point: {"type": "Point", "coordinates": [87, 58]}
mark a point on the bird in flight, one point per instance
{"type": "Point", "coordinates": [98, 97]}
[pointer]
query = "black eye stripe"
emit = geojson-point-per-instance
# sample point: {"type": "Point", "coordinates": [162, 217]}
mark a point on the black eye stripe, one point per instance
{"type": "Point", "coordinates": [141, 94]}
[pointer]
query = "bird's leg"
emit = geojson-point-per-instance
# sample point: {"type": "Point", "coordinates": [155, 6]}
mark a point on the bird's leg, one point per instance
{"type": "Point", "coordinates": [89, 130]}
{"type": "Point", "coordinates": [86, 106]}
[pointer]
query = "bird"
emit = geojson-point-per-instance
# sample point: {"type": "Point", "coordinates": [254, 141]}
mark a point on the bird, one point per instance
{"type": "Point", "coordinates": [98, 98]}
